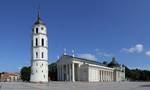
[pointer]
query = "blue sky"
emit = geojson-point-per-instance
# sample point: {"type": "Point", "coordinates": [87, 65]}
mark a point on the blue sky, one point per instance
{"type": "Point", "coordinates": [98, 29]}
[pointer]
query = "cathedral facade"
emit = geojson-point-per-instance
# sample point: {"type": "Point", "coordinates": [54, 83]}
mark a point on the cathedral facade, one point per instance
{"type": "Point", "coordinates": [70, 68]}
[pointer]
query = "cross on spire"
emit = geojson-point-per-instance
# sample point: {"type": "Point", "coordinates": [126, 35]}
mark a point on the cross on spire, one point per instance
{"type": "Point", "coordinates": [39, 21]}
{"type": "Point", "coordinates": [39, 12]}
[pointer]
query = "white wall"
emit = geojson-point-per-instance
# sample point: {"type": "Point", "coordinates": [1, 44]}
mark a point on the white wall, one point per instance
{"type": "Point", "coordinates": [39, 71]}
{"type": "Point", "coordinates": [93, 74]}
{"type": "Point", "coordinates": [39, 68]}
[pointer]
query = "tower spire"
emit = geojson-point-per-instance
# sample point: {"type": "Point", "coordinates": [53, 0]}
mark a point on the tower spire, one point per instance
{"type": "Point", "coordinates": [39, 12]}
{"type": "Point", "coordinates": [39, 20]}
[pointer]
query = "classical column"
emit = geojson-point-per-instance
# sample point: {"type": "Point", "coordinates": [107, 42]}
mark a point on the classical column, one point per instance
{"type": "Point", "coordinates": [57, 72]}
{"type": "Point", "coordinates": [105, 75]}
{"type": "Point", "coordinates": [70, 72]}
{"type": "Point", "coordinates": [112, 76]}
{"type": "Point", "coordinates": [100, 76]}
{"type": "Point", "coordinates": [109, 76]}
{"type": "Point", "coordinates": [62, 74]}
{"type": "Point", "coordinates": [73, 72]}
{"type": "Point", "coordinates": [66, 73]}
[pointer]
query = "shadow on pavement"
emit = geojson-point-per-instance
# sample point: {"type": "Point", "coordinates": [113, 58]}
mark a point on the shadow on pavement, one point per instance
{"type": "Point", "coordinates": [145, 85]}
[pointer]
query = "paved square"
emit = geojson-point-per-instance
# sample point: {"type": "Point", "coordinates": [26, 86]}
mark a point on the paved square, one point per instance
{"type": "Point", "coordinates": [76, 86]}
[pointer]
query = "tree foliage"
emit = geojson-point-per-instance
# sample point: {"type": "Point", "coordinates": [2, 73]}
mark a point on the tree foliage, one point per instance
{"type": "Point", "coordinates": [137, 74]}
{"type": "Point", "coordinates": [25, 73]}
{"type": "Point", "coordinates": [52, 73]}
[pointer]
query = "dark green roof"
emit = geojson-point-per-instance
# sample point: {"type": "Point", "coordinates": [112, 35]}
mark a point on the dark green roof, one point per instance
{"type": "Point", "coordinates": [114, 63]}
{"type": "Point", "coordinates": [39, 21]}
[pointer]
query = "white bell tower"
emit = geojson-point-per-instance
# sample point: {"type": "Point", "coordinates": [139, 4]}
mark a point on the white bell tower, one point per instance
{"type": "Point", "coordinates": [39, 61]}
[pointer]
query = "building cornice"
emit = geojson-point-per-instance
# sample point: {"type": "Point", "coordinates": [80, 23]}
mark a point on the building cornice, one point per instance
{"type": "Point", "coordinates": [35, 34]}
{"type": "Point", "coordinates": [39, 47]}
{"type": "Point", "coordinates": [40, 60]}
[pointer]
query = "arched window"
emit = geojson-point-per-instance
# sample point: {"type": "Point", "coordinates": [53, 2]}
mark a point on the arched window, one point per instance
{"type": "Point", "coordinates": [36, 55]}
{"type": "Point", "coordinates": [36, 41]}
{"type": "Point", "coordinates": [42, 42]}
{"type": "Point", "coordinates": [42, 28]}
{"type": "Point", "coordinates": [36, 30]}
{"type": "Point", "coordinates": [42, 55]}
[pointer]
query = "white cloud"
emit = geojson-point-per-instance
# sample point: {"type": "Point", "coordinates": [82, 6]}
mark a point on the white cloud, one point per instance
{"type": "Point", "coordinates": [138, 48]}
{"type": "Point", "coordinates": [104, 54]}
{"type": "Point", "coordinates": [88, 56]}
{"type": "Point", "coordinates": [147, 53]}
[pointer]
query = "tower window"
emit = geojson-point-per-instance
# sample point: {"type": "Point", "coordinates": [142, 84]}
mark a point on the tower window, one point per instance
{"type": "Point", "coordinates": [44, 76]}
{"type": "Point", "coordinates": [42, 28]}
{"type": "Point", "coordinates": [36, 55]}
{"type": "Point", "coordinates": [36, 42]}
{"type": "Point", "coordinates": [36, 64]}
{"type": "Point", "coordinates": [36, 30]}
{"type": "Point", "coordinates": [42, 55]}
{"type": "Point", "coordinates": [42, 42]}
{"type": "Point", "coordinates": [42, 70]}
{"type": "Point", "coordinates": [36, 70]}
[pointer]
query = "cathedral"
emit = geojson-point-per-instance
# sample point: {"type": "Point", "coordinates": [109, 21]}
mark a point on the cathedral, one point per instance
{"type": "Point", "coordinates": [71, 68]}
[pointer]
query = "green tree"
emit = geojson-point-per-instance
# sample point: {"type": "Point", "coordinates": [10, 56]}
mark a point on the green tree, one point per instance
{"type": "Point", "coordinates": [52, 71]}
{"type": "Point", "coordinates": [137, 74]}
{"type": "Point", "coordinates": [25, 73]}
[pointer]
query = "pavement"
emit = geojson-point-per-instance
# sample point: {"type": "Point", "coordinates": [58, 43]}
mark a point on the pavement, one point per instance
{"type": "Point", "coordinates": [75, 86]}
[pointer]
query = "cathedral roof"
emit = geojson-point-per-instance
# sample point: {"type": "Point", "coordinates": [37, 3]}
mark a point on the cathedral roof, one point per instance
{"type": "Point", "coordinates": [85, 60]}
